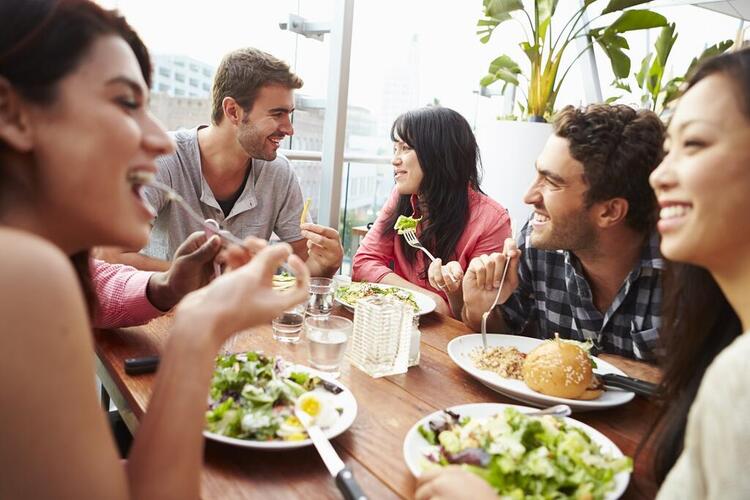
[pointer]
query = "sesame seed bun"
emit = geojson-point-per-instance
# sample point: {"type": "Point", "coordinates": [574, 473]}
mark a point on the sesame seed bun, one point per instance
{"type": "Point", "coordinates": [558, 369]}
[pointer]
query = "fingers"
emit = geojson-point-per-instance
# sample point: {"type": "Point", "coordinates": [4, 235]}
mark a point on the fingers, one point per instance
{"type": "Point", "coordinates": [317, 229]}
{"type": "Point", "coordinates": [453, 276]}
{"type": "Point", "coordinates": [235, 256]}
{"type": "Point", "coordinates": [205, 252]}
{"type": "Point", "coordinates": [433, 272]}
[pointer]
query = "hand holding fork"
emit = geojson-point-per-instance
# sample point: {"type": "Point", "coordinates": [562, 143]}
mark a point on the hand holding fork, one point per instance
{"type": "Point", "coordinates": [451, 280]}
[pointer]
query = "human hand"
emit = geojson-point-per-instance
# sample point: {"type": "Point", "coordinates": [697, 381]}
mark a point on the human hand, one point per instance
{"type": "Point", "coordinates": [452, 482]}
{"type": "Point", "coordinates": [191, 268]}
{"type": "Point", "coordinates": [324, 248]}
{"type": "Point", "coordinates": [244, 297]}
{"type": "Point", "coordinates": [483, 277]}
{"type": "Point", "coordinates": [445, 277]}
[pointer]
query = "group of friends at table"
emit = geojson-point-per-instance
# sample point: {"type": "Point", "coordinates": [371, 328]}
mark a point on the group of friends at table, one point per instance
{"type": "Point", "coordinates": [638, 242]}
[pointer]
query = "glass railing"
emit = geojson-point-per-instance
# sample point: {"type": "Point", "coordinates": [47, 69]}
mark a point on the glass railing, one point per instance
{"type": "Point", "coordinates": [365, 187]}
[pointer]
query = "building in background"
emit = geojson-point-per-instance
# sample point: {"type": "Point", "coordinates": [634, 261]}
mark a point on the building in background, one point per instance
{"type": "Point", "coordinates": [181, 76]}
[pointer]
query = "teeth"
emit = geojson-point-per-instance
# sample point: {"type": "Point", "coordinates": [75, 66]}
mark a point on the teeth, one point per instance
{"type": "Point", "coordinates": [674, 211]}
{"type": "Point", "coordinates": [140, 177]}
{"type": "Point", "coordinates": [540, 218]}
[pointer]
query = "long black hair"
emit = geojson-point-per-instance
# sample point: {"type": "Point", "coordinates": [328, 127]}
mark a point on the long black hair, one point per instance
{"type": "Point", "coordinates": [41, 42]}
{"type": "Point", "coordinates": [449, 157]}
{"type": "Point", "coordinates": [698, 321]}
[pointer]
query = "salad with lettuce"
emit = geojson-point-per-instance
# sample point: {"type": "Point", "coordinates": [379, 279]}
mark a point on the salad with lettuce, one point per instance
{"type": "Point", "coordinates": [253, 397]}
{"type": "Point", "coordinates": [522, 456]}
{"type": "Point", "coordinates": [350, 294]}
{"type": "Point", "coordinates": [404, 223]}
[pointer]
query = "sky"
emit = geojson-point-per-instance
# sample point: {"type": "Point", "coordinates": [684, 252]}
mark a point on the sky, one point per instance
{"type": "Point", "coordinates": [451, 58]}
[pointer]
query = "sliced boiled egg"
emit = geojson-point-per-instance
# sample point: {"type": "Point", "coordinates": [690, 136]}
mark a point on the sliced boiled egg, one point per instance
{"type": "Point", "coordinates": [319, 406]}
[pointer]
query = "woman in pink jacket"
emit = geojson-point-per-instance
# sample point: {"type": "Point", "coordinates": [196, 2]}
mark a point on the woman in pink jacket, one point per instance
{"type": "Point", "coordinates": [436, 168]}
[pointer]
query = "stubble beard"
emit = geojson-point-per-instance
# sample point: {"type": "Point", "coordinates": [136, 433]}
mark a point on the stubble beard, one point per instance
{"type": "Point", "coordinates": [573, 233]}
{"type": "Point", "coordinates": [252, 142]}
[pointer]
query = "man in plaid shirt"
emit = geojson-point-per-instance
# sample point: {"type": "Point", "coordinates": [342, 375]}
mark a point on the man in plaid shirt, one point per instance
{"type": "Point", "coordinates": [586, 265]}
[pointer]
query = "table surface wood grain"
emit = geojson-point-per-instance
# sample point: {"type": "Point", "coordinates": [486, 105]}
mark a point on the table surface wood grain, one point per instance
{"type": "Point", "coordinates": [388, 408]}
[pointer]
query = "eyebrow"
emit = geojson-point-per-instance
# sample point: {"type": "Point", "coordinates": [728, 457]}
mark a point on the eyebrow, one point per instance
{"type": "Point", "coordinates": [682, 125]}
{"type": "Point", "coordinates": [281, 110]}
{"type": "Point", "coordinates": [124, 80]}
{"type": "Point", "coordinates": [546, 173]}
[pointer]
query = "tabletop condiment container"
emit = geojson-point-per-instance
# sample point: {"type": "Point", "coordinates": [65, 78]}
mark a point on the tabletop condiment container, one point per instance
{"type": "Point", "coordinates": [382, 334]}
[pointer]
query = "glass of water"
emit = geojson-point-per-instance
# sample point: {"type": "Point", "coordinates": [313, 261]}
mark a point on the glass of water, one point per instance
{"type": "Point", "coordinates": [287, 326]}
{"type": "Point", "coordinates": [327, 338]}
{"type": "Point", "coordinates": [320, 302]}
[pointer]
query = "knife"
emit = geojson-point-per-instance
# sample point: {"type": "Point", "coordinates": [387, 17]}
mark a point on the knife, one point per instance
{"type": "Point", "coordinates": [640, 387]}
{"type": "Point", "coordinates": [345, 481]}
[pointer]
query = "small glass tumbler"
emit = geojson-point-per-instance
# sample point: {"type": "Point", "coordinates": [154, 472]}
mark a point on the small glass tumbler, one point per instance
{"type": "Point", "coordinates": [287, 326]}
{"type": "Point", "coordinates": [327, 341]}
{"type": "Point", "coordinates": [320, 302]}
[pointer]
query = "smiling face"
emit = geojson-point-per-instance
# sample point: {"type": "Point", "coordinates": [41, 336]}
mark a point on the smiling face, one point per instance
{"type": "Point", "coordinates": [703, 183]}
{"type": "Point", "coordinates": [406, 168]}
{"type": "Point", "coordinates": [96, 133]}
{"type": "Point", "coordinates": [561, 220]}
{"type": "Point", "coordinates": [268, 122]}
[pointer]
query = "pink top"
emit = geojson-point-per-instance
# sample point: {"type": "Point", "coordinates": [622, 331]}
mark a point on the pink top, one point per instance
{"type": "Point", "coordinates": [121, 291]}
{"type": "Point", "coordinates": [486, 231]}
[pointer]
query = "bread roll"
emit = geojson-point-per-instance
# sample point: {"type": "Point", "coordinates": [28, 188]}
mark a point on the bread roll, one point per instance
{"type": "Point", "coordinates": [558, 369]}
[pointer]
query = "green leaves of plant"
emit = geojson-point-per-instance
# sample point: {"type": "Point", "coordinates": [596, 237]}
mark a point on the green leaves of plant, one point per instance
{"type": "Point", "coordinates": [615, 5]}
{"type": "Point", "coordinates": [713, 50]}
{"type": "Point", "coordinates": [496, 12]}
{"type": "Point", "coordinates": [632, 20]}
{"type": "Point", "coordinates": [503, 68]}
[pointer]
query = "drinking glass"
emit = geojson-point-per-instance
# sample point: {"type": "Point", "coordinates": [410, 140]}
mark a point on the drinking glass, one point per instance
{"type": "Point", "coordinates": [320, 302]}
{"type": "Point", "coordinates": [287, 326]}
{"type": "Point", "coordinates": [327, 340]}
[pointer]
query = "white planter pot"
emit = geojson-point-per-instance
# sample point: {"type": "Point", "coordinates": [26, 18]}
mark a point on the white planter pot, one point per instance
{"type": "Point", "coordinates": [509, 150]}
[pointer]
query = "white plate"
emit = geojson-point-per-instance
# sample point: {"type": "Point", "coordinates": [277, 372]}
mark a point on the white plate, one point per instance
{"type": "Point", "coordinates": [459, 350]}
{"type": "Point", "coordinates": [344, 400]}
{"type": "Point", "coordinates": [425, 303]}
{"type": "Point", "coordinates": [415, 445]}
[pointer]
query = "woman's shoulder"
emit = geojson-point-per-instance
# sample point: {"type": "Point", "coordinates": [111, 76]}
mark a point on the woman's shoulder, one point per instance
{"type": "Point", "coordinates": [725, 384]}
{"type": "Point", "coordinates": [33, 262]}
{"type": "Point", "coordinates": [482, 206]}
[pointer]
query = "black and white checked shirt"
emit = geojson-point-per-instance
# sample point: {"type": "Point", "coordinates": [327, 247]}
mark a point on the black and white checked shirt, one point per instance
{"type": "Point", "coordinates": [554, 296]}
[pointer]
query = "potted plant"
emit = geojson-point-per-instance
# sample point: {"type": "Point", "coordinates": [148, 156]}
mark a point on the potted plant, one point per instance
{"type": "Point", "coordinates": [545, 49]}
{"type": "Point", "coordinates": [655, 93]}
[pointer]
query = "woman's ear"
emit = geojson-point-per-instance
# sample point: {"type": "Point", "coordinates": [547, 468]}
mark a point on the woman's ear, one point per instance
{"type": "Point", "coordinates": [15, 127]}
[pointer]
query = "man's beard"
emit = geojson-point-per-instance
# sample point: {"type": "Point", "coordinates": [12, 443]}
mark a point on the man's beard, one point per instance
{"type": "Point", "coordinates": [574, 232]}
{"type": "Point", "coordinates": [252, 142]}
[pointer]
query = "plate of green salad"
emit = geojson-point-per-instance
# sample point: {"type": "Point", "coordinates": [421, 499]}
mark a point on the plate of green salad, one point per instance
{"type": "Point", "coordinates": [253, 397]}
{"type": "Point", "coordinates": [521, 456]}
{"type": "Point", "coordinates": [348, 296]}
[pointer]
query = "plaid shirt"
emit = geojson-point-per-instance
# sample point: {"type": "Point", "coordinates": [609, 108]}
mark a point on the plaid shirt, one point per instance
{"type": "Point", "coordinates": [554, 296]}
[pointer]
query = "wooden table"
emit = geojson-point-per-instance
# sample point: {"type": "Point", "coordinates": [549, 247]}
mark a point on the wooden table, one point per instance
{"type": "Point", "coordinates": [388, 407]}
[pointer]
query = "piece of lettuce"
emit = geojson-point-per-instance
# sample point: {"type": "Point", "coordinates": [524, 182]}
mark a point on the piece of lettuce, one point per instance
{"type": "Point", "coordinates": [404, 223]}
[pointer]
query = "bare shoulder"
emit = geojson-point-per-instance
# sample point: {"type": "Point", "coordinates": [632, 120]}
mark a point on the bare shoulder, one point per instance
{"type": "Point", "coordinates": [25, 255]}
{"type": "Point", "coordinates": [38, 285]}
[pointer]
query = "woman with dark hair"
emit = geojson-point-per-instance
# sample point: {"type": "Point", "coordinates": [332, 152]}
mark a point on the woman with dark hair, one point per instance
{"type": "Point", "coordinates": [435, 165]}
{"type": "Point", "coordinates": [75, 132]}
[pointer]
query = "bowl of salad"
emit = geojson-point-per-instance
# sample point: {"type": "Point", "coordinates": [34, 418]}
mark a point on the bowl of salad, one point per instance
{"type": "Point", "coordinates": [253, 397]}
{"type": "Point", "coordinates": [520, 456]}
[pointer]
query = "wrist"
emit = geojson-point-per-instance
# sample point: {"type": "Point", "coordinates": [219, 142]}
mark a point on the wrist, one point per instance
{"type": "Point", "coordinates": [159, 293]}
{"type": "Point", "coordinates": [211, 327]}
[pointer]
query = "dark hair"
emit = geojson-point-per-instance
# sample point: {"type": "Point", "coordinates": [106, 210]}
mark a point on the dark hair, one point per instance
{"type": "Point", "coordinates": [449, 157]}
{"type": "Point", "coordinates": [698, 320]}
{"type": "Point", "coordinates": [41, 42]}
{"type": "Point", "coordinates": [241, 75]}
{"type": "Point", "coordinates": [619, 148]}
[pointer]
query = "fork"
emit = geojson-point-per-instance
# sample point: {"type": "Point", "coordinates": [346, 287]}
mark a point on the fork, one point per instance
{"type": "Point", "coordinates": [499, 291]}
{"type": "Point", "coordinates": [210, 226]}
{"type": "Point", "coordinates": [410, 235]}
